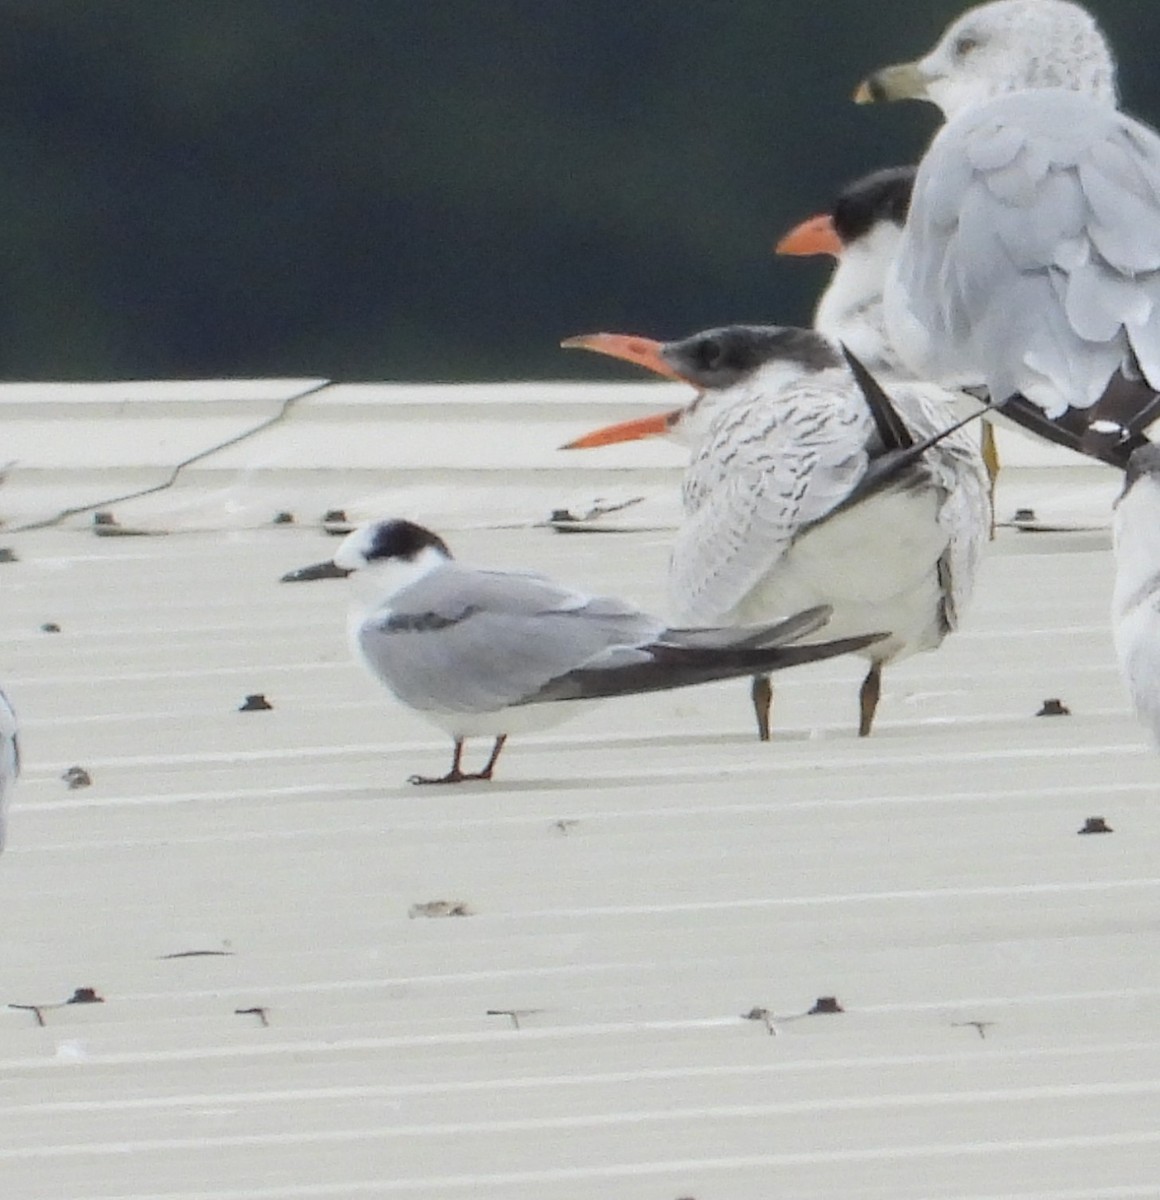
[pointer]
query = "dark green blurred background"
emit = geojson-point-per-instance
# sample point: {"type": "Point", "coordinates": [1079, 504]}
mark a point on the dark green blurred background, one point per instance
{"type": "Point", "coordinates": [430, 189]}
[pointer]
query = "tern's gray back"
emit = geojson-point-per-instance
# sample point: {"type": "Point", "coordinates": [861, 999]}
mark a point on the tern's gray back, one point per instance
{"type": "Point", "coordinates": [468, 641]}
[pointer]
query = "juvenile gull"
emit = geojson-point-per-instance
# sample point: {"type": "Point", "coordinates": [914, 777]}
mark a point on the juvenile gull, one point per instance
{"type": "Point", "coordinates": [784, 499]}
{"type": "Point", "coordinates": [491, 653]}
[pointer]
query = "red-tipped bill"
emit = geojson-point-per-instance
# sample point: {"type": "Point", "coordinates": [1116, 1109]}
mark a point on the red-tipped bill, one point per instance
{"type": "Point", "coordinates": [815, 236]}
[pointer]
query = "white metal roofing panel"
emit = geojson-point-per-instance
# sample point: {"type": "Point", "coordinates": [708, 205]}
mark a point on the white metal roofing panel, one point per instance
{"type": "Point", "coordinates": [637, 882]}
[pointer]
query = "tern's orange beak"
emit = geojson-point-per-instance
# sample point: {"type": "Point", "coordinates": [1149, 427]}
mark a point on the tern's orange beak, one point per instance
{"type": "Point", "coordinates": [627, 431]}
{"type": "Point", "coordinates": [815, 236]}
{"type": "Point", "coordinates": [645, 352]}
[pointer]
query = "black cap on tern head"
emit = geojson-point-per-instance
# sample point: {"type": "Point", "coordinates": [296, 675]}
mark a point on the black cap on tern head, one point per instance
{"type": "Point", "coordinates": [719, 358]}
{"type": "Point", "coordinates": [881, 196]}
{"type": "Point", "coordinates": [399, 539]}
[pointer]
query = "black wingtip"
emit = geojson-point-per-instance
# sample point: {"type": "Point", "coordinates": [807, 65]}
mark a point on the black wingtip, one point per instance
{"type": "Point", "coordinates": [1118, 420]}
{"type": "Point", "coordinates": [1110, 431]}
{"type": "Point", "coordinates": [891, 428]}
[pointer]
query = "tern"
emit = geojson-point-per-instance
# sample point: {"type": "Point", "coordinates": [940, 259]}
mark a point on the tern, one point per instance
{"type": "Point", "coordinates": [860, 233]}
{"type": "Point", "coordinates": [784, 500]}
{"type": "Point", "coordinates": [1030, 260]}
{"type": "Point", "coordinates": [492, 653]}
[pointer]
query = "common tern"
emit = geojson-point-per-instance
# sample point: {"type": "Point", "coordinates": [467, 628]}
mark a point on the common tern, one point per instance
{"type": "Point", "coordinates": [780, 513]}
{"type": "Point", "coordinates": [492, 653]}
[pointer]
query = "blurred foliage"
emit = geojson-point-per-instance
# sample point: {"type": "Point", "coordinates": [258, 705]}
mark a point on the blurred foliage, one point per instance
{"type": "Point", "coordinates": [430, 189]}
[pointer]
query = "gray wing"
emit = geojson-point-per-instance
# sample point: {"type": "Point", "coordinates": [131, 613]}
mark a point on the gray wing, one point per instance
{"type": "Point", "coordinates": [468, 641]}
{"type": "Point", "coordinates": [1031, 256]}
{"type": "Point", "coordinates": [9, 762]}
{"type": "Point", "coordinates": [767, 469]}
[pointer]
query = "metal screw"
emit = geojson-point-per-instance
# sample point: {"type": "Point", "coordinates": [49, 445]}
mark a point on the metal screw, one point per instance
{"type": "Point", "coordinates": [1095, 825]}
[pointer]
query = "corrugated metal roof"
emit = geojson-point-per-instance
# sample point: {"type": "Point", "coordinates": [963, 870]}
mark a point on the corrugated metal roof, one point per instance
{"type": "Point", "coordinates": [237, 887]}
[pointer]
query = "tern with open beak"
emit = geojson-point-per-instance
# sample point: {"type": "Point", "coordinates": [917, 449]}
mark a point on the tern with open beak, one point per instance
{"type": "Point", "coordinates": [1030, 261]}
{"type": "Point", "coordinates": [799, 492]}
{"type": "Point", "coordinates": [491, 653]}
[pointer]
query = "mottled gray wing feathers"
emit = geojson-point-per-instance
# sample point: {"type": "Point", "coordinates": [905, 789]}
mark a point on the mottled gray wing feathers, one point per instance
{"type": "Point", "coordinates": [767, 468]}
{"type": "Point", "coordinates": [773, 470]}
{"type": "Point", "coordinates": [1032, 253]}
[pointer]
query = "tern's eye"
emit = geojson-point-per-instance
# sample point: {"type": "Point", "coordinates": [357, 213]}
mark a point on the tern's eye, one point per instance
{"type": "Point", "coordinates": [709, 354]}
{"type": "Point", "coordinates": [966, 45]}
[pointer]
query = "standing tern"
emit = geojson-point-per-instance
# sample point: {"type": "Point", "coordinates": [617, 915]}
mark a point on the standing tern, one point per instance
{"type": "Point", "coordinates": [1031, 257]}
{"type": "Point", "coordinates": [491, 653]}
{"type": "Point", "coordinates": [9, 761]}
{"type": "Point", "coordinates": [779, 514]}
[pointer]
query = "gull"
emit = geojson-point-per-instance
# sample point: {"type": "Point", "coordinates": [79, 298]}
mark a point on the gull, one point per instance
{"type": "Point", "coordinates": [9, 761]}
{"type": "Point", "coordinates": [1030, 261]}
{"type": "Point", "coordinates": [492, 653]}
{"type": "Point", "coordinates": [796, 493]}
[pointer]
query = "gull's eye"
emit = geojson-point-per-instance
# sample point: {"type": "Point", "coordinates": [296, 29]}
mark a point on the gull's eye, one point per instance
{"type": "Point", "coordinates": [965, 45]}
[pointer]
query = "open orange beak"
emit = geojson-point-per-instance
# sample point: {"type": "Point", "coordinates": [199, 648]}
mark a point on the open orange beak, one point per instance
{"type": "Point", "coordinates": [627, 431]}
{"type": "Point", "coordinates": [815, 236]}
{"type": "Point", "coordinates": [645, 352]}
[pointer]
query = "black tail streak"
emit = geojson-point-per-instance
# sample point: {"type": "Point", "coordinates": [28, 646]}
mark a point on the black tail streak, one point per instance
{"type": "Point", "coordinates": [1066, 430]}
{"type": "Point", "coordinates": [891, 429]}
{"type": "Point", "coordinates": [674, 667]}
{"type": "Point", "coordinates": [901, 450]}
{"type": "Point", "coordinates": [1123, 412]}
